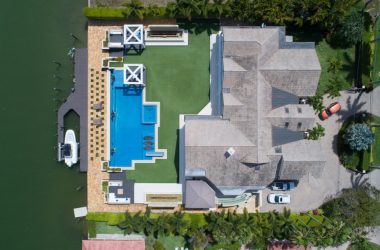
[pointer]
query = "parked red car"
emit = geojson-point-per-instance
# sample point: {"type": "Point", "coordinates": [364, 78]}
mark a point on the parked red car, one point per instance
{"type": "Point", "coordinates": [332, 109]}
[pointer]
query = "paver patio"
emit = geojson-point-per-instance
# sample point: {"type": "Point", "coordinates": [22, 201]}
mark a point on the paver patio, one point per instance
{"type": "Point", "coordinates": [312, 192]}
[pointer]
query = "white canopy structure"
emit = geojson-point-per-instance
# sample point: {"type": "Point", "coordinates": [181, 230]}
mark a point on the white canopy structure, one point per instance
{"type": "Point", "coordinates": [115, 38]}
{"type": "Point", "coordinates": [133, 35]}
{"type": "Point", "coordinates": [134, 74]}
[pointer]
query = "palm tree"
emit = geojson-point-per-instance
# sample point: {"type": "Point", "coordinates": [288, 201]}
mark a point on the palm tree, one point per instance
{"type": "Point", "coordinates": [152, 11]}
{"type": "Point", "coordinates": [316, 102]}
{"type": "Point", "coordinates": [172, 9]}
{"type": "Point", "coordinates": [188, 8]}
{"type": "Point", "coordinates": [286, 224]}
{"type": "Point", "coordinates": [205, 7]}
{"type": "Point", "coordinates": [178, 224]}
{"type": "Point", "coordinates": [220, 7]}
{"type": "Point", "coordinates": [198, 238]}
{"type": "Point", "coordinates": [334, 86]}
{"type": "Point", "coordinates": [161, 225]}
{"type": "Point", "coordinates": [316, 132]}
{"type": "Point", "coordinates": [147, 222]}
{"type": "Point", "coordinates": [261, 229]}
{"type": "Point", "coordinates": [334, 65]}
{"type": "Point", "coordinates": [134, 8]}
{"type": "Point", "coordinates": [127, 224]}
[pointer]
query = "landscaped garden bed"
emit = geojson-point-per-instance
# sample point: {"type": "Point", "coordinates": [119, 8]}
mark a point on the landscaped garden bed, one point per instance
{"type": "Point", "coordinates": [360, 160]}
{"type": "Point", "coordinates": [215, 230]}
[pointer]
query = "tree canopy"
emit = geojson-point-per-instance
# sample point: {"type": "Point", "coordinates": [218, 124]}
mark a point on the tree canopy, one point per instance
{"type": "Point", "coordinates": [357, 207]}
{"type": "Point", "coordinates": [359, 136]}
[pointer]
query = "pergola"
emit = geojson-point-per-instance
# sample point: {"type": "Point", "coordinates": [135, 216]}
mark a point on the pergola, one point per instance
{"type": "Point", "coordinates": [134, 36]}
{"type": "Point", "coordinates": [134, 74]}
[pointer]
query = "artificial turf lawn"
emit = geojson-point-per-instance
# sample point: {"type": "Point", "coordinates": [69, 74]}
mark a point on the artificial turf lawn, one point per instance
{"type": "Point", "coordinates": [325, 51]}
{"type": "Point", "coordinates": [178, 78]}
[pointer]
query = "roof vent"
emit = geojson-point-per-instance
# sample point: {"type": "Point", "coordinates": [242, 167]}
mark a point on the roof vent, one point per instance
{"type": "Point", "coordinates": [226, 90]}
{"type": "Point", "coordinates": [230, 152]}
{"type": "Point", "coordinates": [299, 125]}
{"type": "Point", "coordinates": [278, 150]}
{"type": "Point", "coordinates": [286, 124]}
{"type": "Point", "coordinates": [286, 110]}
{"type": "Point", "coordinates": [299, 110]}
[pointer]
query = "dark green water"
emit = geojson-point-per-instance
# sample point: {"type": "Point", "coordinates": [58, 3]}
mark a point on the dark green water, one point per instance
{"type": "Point", "coordinates": [37, 194]}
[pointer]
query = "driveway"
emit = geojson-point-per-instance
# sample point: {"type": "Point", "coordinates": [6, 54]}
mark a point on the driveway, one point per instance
{"type": "Point", "coordinates": [313, 192]}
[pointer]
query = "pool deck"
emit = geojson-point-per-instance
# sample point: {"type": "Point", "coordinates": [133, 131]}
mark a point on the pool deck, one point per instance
{"type": "Point", "coordinates": [98, 136]}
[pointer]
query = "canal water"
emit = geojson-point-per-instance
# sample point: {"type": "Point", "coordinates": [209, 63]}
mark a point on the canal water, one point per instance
{"type": "Point", "coordinates": [37, 193]}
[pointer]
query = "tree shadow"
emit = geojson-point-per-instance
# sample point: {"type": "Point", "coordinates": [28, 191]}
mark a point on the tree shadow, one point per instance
{"type": "Point", "coordinates": [306, 35]}
{"type": "Point", "coordinates": [352, 108]}
{"type": "Point", "coordinates": [349, 67]}
{"type": "Point", "coordinates": [197, 26]}
{"type": "Point", "coordinates": [176, 156]}
{"type": "Point", "coordinates": [357, 179]}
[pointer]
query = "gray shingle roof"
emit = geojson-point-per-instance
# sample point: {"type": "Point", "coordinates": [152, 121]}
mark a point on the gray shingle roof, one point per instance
{"type": "Point", "coordinates": [259, 65]}
{"type": "Point", "coordinates": [199, 195]}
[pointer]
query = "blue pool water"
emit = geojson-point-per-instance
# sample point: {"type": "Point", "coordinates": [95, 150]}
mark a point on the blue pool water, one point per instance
{"type": "Point", "coordinates": [131, 121]}
{"type": "Point", "coordinates": [150, 114]}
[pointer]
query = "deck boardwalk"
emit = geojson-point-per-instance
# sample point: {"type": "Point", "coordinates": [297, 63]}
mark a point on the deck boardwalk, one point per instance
{"type": "Point", "coordinates": [77, 101]}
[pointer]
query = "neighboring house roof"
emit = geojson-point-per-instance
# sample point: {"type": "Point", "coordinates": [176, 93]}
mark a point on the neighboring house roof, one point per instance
{"type": "Point", "coordinates": [113, 244]}
{"type": "Point", "coordinates": [199, 195]}
{"type": "Point", "coordinates": [263, 78]}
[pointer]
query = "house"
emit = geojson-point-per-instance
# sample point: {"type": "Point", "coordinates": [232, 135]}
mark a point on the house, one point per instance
{"type": "Point", "coordinates": [255, 131]}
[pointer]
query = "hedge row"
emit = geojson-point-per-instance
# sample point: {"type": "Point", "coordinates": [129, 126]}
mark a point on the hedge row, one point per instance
{"type": "Point", "coordinates": [119, 13]}
{"type": "Point", "coordinates": [104, 12]}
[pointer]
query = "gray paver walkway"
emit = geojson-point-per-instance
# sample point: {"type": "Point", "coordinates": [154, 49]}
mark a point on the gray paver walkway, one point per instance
{"type": "Point", "coordinates": [312, 192]}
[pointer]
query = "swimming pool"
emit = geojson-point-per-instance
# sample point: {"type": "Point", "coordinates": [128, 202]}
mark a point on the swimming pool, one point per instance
{"type": "Point", "coordinates": [132, 123]}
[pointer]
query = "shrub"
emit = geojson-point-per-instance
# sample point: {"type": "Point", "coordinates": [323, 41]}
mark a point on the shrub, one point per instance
{"type": "Point", "coordinates": [358, 207]}
{"type": "Point", "coordinates": [158, 245]}
{"type": "Point", "coordinates": [316, 102]}
{"type": "Point", "coordinates": [359, 137]}
{"type": "Point", "coordinates": [350, 160]}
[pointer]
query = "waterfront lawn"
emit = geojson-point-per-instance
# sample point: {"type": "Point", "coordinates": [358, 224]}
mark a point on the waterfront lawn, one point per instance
{"type": "Point", "coordinates": [104, 228]}
{"type": "Point", "coordinates": [178, 78]}
{"type": "Point", "coordinates": [325, 51]}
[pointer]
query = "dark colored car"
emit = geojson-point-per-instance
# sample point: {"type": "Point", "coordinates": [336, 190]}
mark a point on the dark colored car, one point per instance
{"type": "Point", "coordinates": [283, 185]}
{"type": "Point", "coordinates": [330, 110]}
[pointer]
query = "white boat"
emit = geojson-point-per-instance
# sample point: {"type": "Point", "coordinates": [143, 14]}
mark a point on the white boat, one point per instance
{"type": "Point", "coordinates": [70, 148]}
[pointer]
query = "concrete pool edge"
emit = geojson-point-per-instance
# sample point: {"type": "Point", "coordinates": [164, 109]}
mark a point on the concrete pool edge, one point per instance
{"type": "Point", "coordinates": [156, 126]}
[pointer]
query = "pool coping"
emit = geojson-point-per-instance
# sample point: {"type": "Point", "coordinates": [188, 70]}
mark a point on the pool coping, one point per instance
{"type": "Point", "coordinates": [156, 126]}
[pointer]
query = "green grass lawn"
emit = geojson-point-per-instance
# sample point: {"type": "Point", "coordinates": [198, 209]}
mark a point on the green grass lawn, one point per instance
{"type": "Point", "coordinates": [376, 59]}
{"type": "Point", "coordinates": [104, 228]}
{"type": "Point", "coordinates": [178, 78]}
{"type": "Point", "coordinates": [324, 52]}
{"type": "Point", "coordinates": [376, 145]}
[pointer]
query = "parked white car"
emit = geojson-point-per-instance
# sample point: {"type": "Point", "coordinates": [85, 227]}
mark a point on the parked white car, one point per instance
{"type": "Point", "coordinates": [279, 198]}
